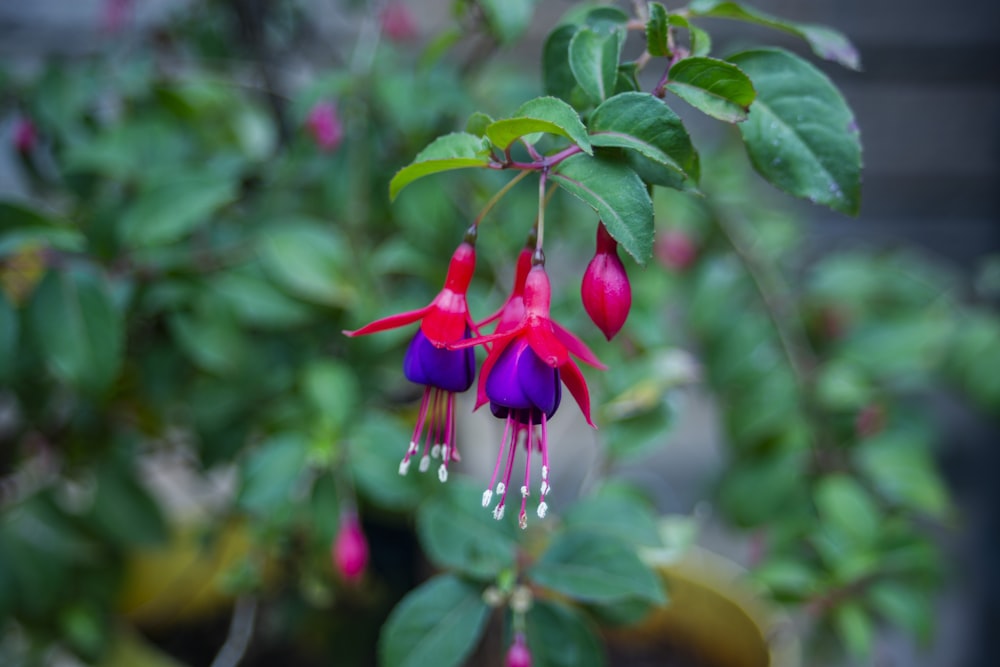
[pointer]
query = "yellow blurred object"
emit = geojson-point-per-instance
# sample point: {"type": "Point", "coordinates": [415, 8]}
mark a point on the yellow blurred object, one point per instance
{"type": "Point", "coordinates": [183, 580]}
{"type": "Point", "coordinates": [714, 614]}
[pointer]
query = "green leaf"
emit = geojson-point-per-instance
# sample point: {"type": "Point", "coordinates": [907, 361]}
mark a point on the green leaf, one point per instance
{"type": "Point", "coordinates": [376, 447]}
{"type": "Point", "coordinates": [801, 136]}
{"type": "Point", "coordinates": [855, 628]}
{"type": "Point", "coordinates": [595, 568]}
{"type": "Point", "coordinates": [78, 328]}
{"type": "Point", "coordinates": [437, 624]}
{"type": "Point", "coordinates": [718, 88]}
{"type": "Point", "coordinates": [557, 75]}
{"type": "Point", "coordinates": [271, 474]}
{"type": "Point", "coordinates": [656, 30]}
{"type": "Point", "coordinates": [21, 226]}
{"type": "Point", "coordinates": [642, 123]}
{"type": "Point", "coordinates": [457, 150]}
{"type": "Point", "coordinates": [166, 212]}
{"type": "Point", "coordinates": [477, 123]}
{"type": "Point", "coordinates": [593, 58]}
{"type": "Point", "coordinates": [904, 606]}
{"type": "Point", "coordinates": [508, 19]}
{"type": "Point", "coordinates": [9, 327]}
{"type": "Point", "coordinates": [844, 504]}
{"type": "Point", "coordinates": [901, 469]}
{"type": "Point", "coordinates": [542, 114]}
{"type": "Point", "coordinates": [560, 636]}
{"type": "Point", "coordinates": [332, 389]}
{"type": "Point", "coordinates": [784, 576]}
{"type": "Point", "coordinates": [458, 534]}
{"type": "Point", "coordinates": [309, 260]}
{"type": "Point", "coordinates": [617, 516]}
{"type": "Point", "coordinates": [617, 194]}
{"type": "Point", "coordinates": [825, 42]}
{"type": "Point", "coordinates": [123, 510]}
{"type": "Point", "coordinates": [255, 301]}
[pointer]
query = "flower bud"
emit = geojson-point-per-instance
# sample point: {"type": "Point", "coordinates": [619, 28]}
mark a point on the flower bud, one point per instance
{"type": "Point", "coordinates": [325, 126]}
{"type": "Point", "coordinates": [519, 655]}
{"type": "Point", "coordinates": [350, 549]}
{"type": "Point", "coordinates": [397, 22]}
{"type": "Point", "coordinates": [675, 250]}
{"type": "Point", "coordinates": [607, 295]}
{"type": "Point", "coordinates": [25, 135]}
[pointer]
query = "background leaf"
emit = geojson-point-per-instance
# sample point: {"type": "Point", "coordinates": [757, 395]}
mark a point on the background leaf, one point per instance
{"type": "Point", "coordinates": [437, 624]}
{"type": "Point", "coordinates": [309, 260]}
{"type": "Point", "coordinates": [801, 135]}
{"type": "Point", "coordinates": [713, 86]}
{"type": "Point", "coordinates": [508, 19]}
{"type": "Point", "coordinates": [165, 212]}
{"type": "Point", "coordinates": [560, 636]}
{"type": "Point", "coordinates": [9, 327]}
{"type": "Point", "coordinates": [617, 194]}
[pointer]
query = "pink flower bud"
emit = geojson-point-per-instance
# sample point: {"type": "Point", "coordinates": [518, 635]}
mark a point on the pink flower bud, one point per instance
{"type": "Point", "coordinates": [25, 135]}
{"type": "Point", "coordinates": [325, 126]}
{"type": "Point", "coordinates": [397, 22]}
{"type": "Point", "coordinates": [675, 250]}
{"type": "Point", "coordinates": [115, 15]}
{"type": "Point", "coordinates": [519, 655]}
{"type": "Point", "coordinates": [607, 295]}
{"type": "Point", "coordinates": [350, 549]}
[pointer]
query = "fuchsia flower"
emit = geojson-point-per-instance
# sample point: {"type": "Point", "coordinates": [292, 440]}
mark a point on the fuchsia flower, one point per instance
{"type": "Point", "coordinates": [397, 22]}
{"type": "Point", "coordinates": [350, 549]}
{"type": "Point", "coordinates": [25, 135]}
{"type": "Point", "coordinates": [605, 290]}
{"type": "Point", "coordinates": [521, 380]}
{"type": "Point", "coordinates": [519, 655]}
{"type": "Point", "coordinates": [431, 361]}
{"type": "Point", "coordinates": [325, 125]}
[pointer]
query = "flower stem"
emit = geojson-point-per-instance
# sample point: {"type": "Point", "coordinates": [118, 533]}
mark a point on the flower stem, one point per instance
{"type": "Point", "coordinates": [496, 198]}
{"type": "Point", "coordinates": [542, 200]}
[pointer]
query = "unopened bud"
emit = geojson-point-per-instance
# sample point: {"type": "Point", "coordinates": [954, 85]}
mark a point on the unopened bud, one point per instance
{"type": "Point", "coordinates": [675, 250]}
{"type": "Point", "coordinates": [397, 22]}
{"type": "Point", "coordinates": [350, 549]}
{"type": "Point", "coordinates": [519, 655]}
{"type": "Point", "coordinates": [606, 292]}
{"type": "Point", "coordinates": [25, 135]}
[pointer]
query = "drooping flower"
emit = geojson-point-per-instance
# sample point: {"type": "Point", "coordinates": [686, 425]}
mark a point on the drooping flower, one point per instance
{"type": "Point", "coordinates": [325, 126]}
{"type": "Point", "coordinates": [518, 655]}
{"type": "Point", "coordinates": [397, 22]}
{"type": "Point", "coordinates": [350, 549]}
{"type": "Point", "coordinates": [605, 290]}
{"type": "Point", "coordinates": [521, 380]}
{"type": "Point", "coordinates": [431, 362]}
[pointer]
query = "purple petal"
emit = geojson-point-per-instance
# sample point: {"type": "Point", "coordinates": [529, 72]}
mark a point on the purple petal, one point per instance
{"type": "Point", "coordinates": [450, 370]}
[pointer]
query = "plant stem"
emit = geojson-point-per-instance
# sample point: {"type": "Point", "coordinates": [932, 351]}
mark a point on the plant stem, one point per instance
{"type": "Point", "coordinates": [496, 197]}
{"type": "Point", "coordinates": [542, 200]}
{"type": "Point", "coordinates": [542, 162]}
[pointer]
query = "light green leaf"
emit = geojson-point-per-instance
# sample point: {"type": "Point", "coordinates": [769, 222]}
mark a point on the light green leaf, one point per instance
{"type": "Point", "coordinates": [477, 123]}
{"type": "Point", "coordinates": [332, 390]}
{"type": "Point", "coordinates": [542, 114]}
{"type": "Point", "coordinates": [855, 628]}
{"type": "Point", "coordinates": [458, 150]}
{"type": "Point", "coordinates": [825, 42]}
{"type": "Point", "coordinates": [644, 124]}
{"type": "Point", "coordinates": [166, 212]}
{"type": "Point", "coordinates": [458, 534]}
{"type": "Point", "coordinates": [900, 467]}
{"type": "Point", "coordinates": [375, 448]}
{"type": "Point", "coordinates": [437, 624]}
{"type": "Point", "coordinates": [78, 328]}
{"type": "Point", "coordinates": [713, 86]}
{"type": "Point", "coordinates": [255, 301]}
{"type": "Point", "coordinates": [617, 194]}
{"type": "Point", "coordinates": [508, 19]}
{"type": "Point", "coordinates": [801, 136]}
{"type": "Point", "coordinates": [844, 504]}
{"type": "Point", "coordinates": [560, 636]}
{"type": "Point", "coordinates": [595, 568]}
{"type": "Point", "coordinates": [309, 260]}
{"type": "Point", "coordinates": [617, 516]}
{"type": "Point", "coordinates": [593, 58]}
{"type": "Point", "coordinates": [656, 30]}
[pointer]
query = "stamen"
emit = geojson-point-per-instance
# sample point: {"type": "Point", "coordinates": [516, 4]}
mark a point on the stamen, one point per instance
{"type": "Point", "coordinates": [523, 516]}
{"type": "Point", "coordinates": [496, 468]}
{"type": "Point", "coordinates": [487, 497]}
{"type": "Point", "coordinates": [501, 488]}
{"type": "Point", "coordinates": [443, 473]}
{"type": "Point", "coordinates": [498, 511]}
{"type": "Point", "coordinates": [435, 451]}
{"type": "Point", "coordinates": [412, 449]}
{"type": "Point", "coordinates": [524, 492]}
{"type": "Point", "coordinates": [545, 487]}
{"type": "Point", "coordinates": [425, 463]}
{"type": "Point", "coordinates": [542, 509]}
{"type": "Point", "coordinates": [404, 466]}
{"type": "Point", "coordinates": [522, 520]}
{"type": "Point", "coordinates": [421, 419]}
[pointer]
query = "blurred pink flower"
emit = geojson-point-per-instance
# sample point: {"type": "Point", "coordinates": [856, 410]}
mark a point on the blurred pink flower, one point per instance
{"type": "Point", "coordinates": [115, 15]}
{"type": "Point", "coordinates": [350, 549]}
{"type": "Point", "coordinates": [25, 135]}
{"type": "Point", "coordinates": [325, 126]}
{"type": "Point", "coordinates": [397, 22]}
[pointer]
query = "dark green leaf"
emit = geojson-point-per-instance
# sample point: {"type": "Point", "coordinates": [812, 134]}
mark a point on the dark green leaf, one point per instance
{"type": "Point", "coordinates": [642, 123]}
{"type": "Point", "coordinates": [255, 301]}
{"type": "Point", "coordinates": [844, 503]}
{"type": "Point", "coordinates": [309, 260]}
{"type": "Point", "coordinates": [617, 194]}
{"type": "Point", "coordinates": [458, 534]}
{"type": "Point", "coordinates": [165, 212]}
{"type": "Point", "coordinates": [458, 150]}
{"type": "Point", "coordinates": [9, 326]}
{"type": "Point", "coordinates": [271, 474]}
{"type": "Point", "coordinates": [593, 58]}
{"type": "Point", "coordinates": [713, 86]}
{"type": "Point", "coordinates": [123, 510]}
{"type": "Point", "coordinates": [557, 75]}
{"type": "Point", "coordinates": [656, 30]}
{"type": "Point", "coordinates": [437, 624]}
{"type": "Point", "coordinates": [508, 19]}
{"type": "Point", "coordinates": [615, 515]}
{"type": "Point", "coordinates": [78, 328]}
{"type": "Point", "coordinates": [21, 226]}
{"type": "Point", "coordinates": [801, 135]}
{"type": "Point", "coordinates": [560, 636]}
{"type": "Point", "coordinates": [595, 568]}
{"type": "Point", "coordinates": [376, 448]}
{"type": "Point", "coordinates": [900, 467]}
{"type": "Point", "coordinates": [903, 605]}
{"type": "Point", "coordinates": [212, 339]}
{"type": "Point", "coordinates": [543, 114]}
{"type": "Point", "coordinates": [825, 42]}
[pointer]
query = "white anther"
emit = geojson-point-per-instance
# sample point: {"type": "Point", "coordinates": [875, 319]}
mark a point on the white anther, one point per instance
{"type": "Point", "coordinates": [545, 472]}
{"type": "Point", "coordinates": [443, 473]}
{"type": "Point", "coordinates": [445, 449]}
{"type": "Point", "coordinates": [521, 600]}
{"type": "Point", "coordinates": [487, 497]}
{"type": "Point", "coordinates": [404, 466]}
{"type": "Point", "coordinates": [413, 448]}
{"type": "Point", "coordinates": [522, 521]}
{"type": "Point", "coordinates": [436, 451]}
{"type": "Point", "coordinates": [501, 488]}
{"type": "Point", "coordinates": [545, 487]}
{"type": "Point", "coordinates": [524, 492]}
{"type": "Point", "coordinates": [498, 512]}
{"type": "Point", "coordinates": [425, 463]}
{"type": "Point", "coordinates": [542, 509]}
